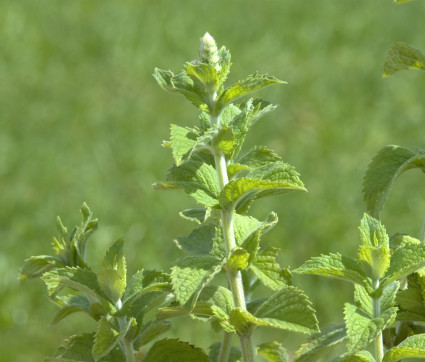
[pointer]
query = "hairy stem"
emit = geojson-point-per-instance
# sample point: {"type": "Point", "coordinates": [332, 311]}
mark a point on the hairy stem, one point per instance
{"type": "Point", "coordinates": [226, 345]}
{"type": "Point", "coordinates": [126, 344]}
{"type": "Point", "coordinates": [379, 345]}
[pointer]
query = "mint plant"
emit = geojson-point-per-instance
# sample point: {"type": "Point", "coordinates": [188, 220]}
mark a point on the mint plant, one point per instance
{"type": "Point", "coordinates": [208, 166]}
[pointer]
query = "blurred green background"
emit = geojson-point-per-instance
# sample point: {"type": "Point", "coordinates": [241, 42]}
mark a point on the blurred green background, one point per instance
{"type": "Point", "coordinates": [82, 119]}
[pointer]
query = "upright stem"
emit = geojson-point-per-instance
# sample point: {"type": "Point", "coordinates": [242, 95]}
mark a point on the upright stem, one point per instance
{"type": "Point", "coordinates": [226, 345]}
{"type": "Point", "coordinates": [234, 277]}
{"type": "Point", "coordinates": [422, 238]}
{"type": "Point", "coordinates": [126, 344]}
{"type": "Point", "coordinates": [379, 345]}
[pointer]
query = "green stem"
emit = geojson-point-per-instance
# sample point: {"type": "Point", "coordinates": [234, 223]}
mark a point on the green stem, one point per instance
{"type": "Point", "coordinates": [422, 238]}
{"type": "Point", "coordinates": [126, 344]}
{"type": "Point", "coordinates": [226, 345]}
{"type": "Point", "coordinates": [379, 345]}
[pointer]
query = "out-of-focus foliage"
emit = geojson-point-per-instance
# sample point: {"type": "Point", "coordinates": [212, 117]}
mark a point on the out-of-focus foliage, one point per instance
{"type": "Point", "coordinates": [82, 119]}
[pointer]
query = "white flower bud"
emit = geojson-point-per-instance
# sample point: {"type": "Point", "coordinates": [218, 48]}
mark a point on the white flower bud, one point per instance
{"type": "Point", "coordinates": [208, 52]}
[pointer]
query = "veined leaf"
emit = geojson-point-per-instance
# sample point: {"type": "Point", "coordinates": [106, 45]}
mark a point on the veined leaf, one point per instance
{"type": "Point", "coordinates": [173, 350]}
{"type": "Point", "coordinates": [411, 301]}
{"type": "Point", "coordinates": [180, 83]}
{"type": "Point", "coordinates": [71, 304]}
{"type": "Point", "coordinates": [107, 337]}
{"type": "Point", "coordinates": [204, 76]}
{"type": "Point", "coordinates": [290, 309]}
{"type": "Point", "coordinates": [151, 330]}
{"type": "Point", "coordinates": [259, 156]}
{"type": "Point", "coordinates": [320, 342]}
{"type": "Point", "coordinates": [237, 259]}
{"type": "Point", "coordinates": [268, 271]}
{"type": "Point", "coordinates": [115, 260]}
{"type": "Point", "coordinates": [273, 352]}
{"type": "Point", "coordinates": [190, 275]}
{"type": "Point", "coordinates": [76, 348]}
{"type": "Point", "coordinates": [242, 88]}
{"type": "Point", "coordinates": [362, 329]}
{"type": "Point", "coordinates": [197, 179]}
{"type": "Point", "coordinates": [372, 232]}
{"type": "Point", "coordinates": [234, 169]}
{"type": "Point", "coordinates": [389, 295]}
{"type": "Point", "coordinates": [196, 215]}
{"type": "Point", "coordinates": [199, 241]}
{"type": "Point", "coordinates": [411, 347]}
{"type": "Point", "coordinates": [360, 356]}
{"type": "Point", "coordinates": [182, 141]}
{"type": "Point", "coordinates": [404, 261]}
{"type": "Point", "coordinates": [83, 280]}
{"type": "Point", "coordinates": [363, 300]}
{"type": "Point", "coordinates": [36, 266]}
{"type": "Point", "coordinates": [336, 266]}
{"type": "Point", "coordinates": [375, 261]}
{"type": "Point", "coordinates": [268, 180]}
{"type": "Point", "coordinates": [402, 56]}
{"type": "Point", "coordinates": [389, 163]}
{"type": "Point", "coordinates": [111, 283]}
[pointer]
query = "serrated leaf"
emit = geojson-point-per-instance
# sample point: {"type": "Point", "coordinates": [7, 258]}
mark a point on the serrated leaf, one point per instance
{"type": "Point", "coordinates": [76, 348]}
{"type": "Point", "coordinates": [151, 330]}
{"type": "Point", "coordinates": [181, 142]}
{"type": "Point", "coordinates": [363, 300]}
{"type": "Point", "coordinates": [115, 259]}
{"type": "Point", "coordinates": [237, 260]}
{"type": "Point", "coordinates": [389, 163]}
{"type": "Point", "coordinates": [411, 347]}
{"type": "Point", "coordinates": [199, 241]}
{"type": "Point", "coordinates": [404, 261]}
{"type": "Point", "coordinates": [196, 215]}
{"type": "Point", "coordinates": [402, 56]}
{"type": "Point", "coordinates": [204, 76]}
{"type": "Point", "coordinates": [83, 280]}
{"type": "Point", "coordinates": [320, 343]}
{"type": "Point", "coordinates": [190, 275]}
{"type": "Point", "coordinates": [242, 88]}
{"type": "Point", "coordinates": [106, 338]}
{"type": "Point", "coordinates": [389, 295]}
{"type": "Point", "coordinates": [273, 352]}
{"type": "Point", "coordinates": [196, 178]}
{"type": "Point", "coordinates": [290, 309]}
{"type": "Point", "coordinates": [411, 301]}
{"type": "Point", "coordinates": [268, 271]}
{"type": "Point", "coordinates": [36, 266]}
{"type": "Point", "coordinates": [362, 329]}
{"type": "Point", "coordinates": [360, 356]}
{"type": "Point", "coordinates": [234, 169]}
{"type": "Point", "coordinates": [335, 266]}
{"type": "Point", "coordinates": [180, 83]}
{"type": "Point", "coordinates": [71, 304]}
{"type": "Point", "coordinates": [173, 350]}
{"type": "Point", "coordinates": [111, 283]}
{"type": "Point", "coordinates": [259, 156]}
{"type": "Point", "coordinates": [372, 232]}
{"type": "Point", "coordinates": [274, 179]}
{"type": "Point", "coordinates": [235, 354]}
{"type": "Point", "coordinates": [375, 261]}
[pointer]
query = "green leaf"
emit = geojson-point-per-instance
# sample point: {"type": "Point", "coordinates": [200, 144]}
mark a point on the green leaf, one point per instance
{"type": "Point", "coordinates": [259, 156]}
{"type": "Point", "coordinates": [36, 266]}
{"type": "Point", "coordinates": [402, 56]}
{"type": "Point", "coordinates": [411, 301]}
{"type": "Point", "coordinates": [218, 297]}
{"type": "Point", "coordinates": [173, 350]}
{"type": "Point", "coordinates": [268, 271]}
{"type": "Point", "coordinates": [111, 283]}
{"type": "Point", "coordinates": [181, 142]}
{"type": "Point", "coordinates": [274, 179]}
{"type": "Point", "coordinates": [290, 309]}
{"type": "Point", "coordinates": [190, 275]}
{"type": "Point", "coordinates": [273, 352]}
{"type": "Point", "coordinates": [363, 300]}
{"type": "Point", "coordinates": [71, 304]}
{"type": "Point", "coordinates": [411, 347]}
{"type": "Point", "coordinates": [199, 241]}
{"type": "Point", "coordinates": [321, 342]}
{"type": "Point", "coordinates": [375, 261]}
{"type": "Point", "coordinates": [237, 260]}
{"type": "Point", "coordinates": [401, 1]}
{"type": "Point", "coordinates": [196, 215]}
{"type": "Point", "coordinates": [242, 88]}
{"type": "Point", "coordinates": [115, 259]}
{"type": "Point", "coordinates": [360, 356]}
{"type": "Point", "coordinates": [389, 163]}
{"type": "Point", "coordinates": [336, 266]}
{"type": "Point", "coordinates": [180, 83]}
{"type": "Point", "coordinates": [372, 232]}
{"type": "Point", "coordinates": [151, 330]}
{"type": "Point", "coordinates": [234, 169]}
{"type": "Point", "coordinates": [196, 178]}
{"type": "Point", "coordinates": [75, 348]}
{"type": "Point", "coordinates": [235, 354]}
{"type": "Point", "coordinates": [362, 329]}
{"type": "Point", "coordinates": [404, 261]}
{"type": "Point", "coordinates": [106, 338]}
{"type": "Point", "coordinates": [203, 76]}
{"type": "Point", "coordinates": [389, 295]}
{"type": "Point", "coordinates": [82, 280]}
